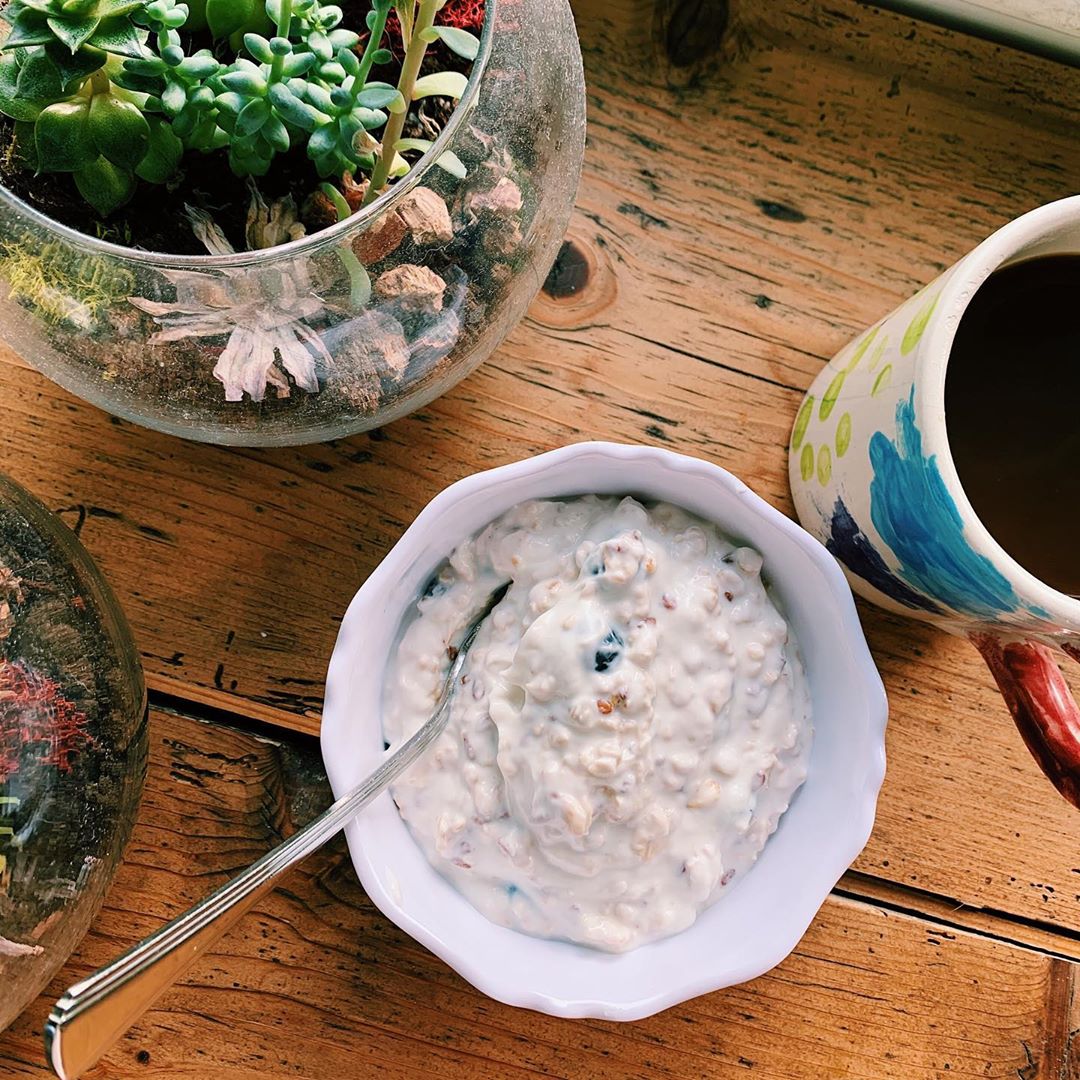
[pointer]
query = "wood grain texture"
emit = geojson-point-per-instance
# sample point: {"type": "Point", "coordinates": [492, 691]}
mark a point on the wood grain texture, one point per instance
{"type": "Point", "coordinates": [752, 198]}
{"type": "Point", "coordinates": [315, 983]}
{"type": "Point", "coordinates": [747, 212]}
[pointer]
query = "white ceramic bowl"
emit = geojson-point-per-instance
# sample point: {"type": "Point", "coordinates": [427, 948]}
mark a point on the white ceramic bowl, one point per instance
{"type": "Point", "coordinates": [763, 917]}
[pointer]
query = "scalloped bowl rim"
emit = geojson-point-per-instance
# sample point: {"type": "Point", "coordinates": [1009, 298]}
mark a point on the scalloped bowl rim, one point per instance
{"type": "Point", "coordinates": [776, 900]}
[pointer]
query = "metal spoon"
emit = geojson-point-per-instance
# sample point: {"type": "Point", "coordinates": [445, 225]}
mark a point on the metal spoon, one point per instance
{"type": "Point", "coordinates": [94, 1013]}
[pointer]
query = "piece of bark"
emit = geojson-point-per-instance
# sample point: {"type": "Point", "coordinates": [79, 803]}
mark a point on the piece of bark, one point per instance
{"type": "Point", "coordinates": [416, 289]}
{"type": "Point", "coordinates": [503, 200]}
{"type": "Point", "coordinates": [381, 239]}
{"type": "Point", "coordinates": [426, 215]}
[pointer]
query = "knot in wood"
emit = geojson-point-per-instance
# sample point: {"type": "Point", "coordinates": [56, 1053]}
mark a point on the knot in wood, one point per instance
{"type": "Point", "coordinates": [580, 283]}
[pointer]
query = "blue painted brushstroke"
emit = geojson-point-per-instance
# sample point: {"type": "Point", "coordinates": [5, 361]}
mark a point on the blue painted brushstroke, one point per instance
{"type": "Point", "coordinates": [915, 515]}
{"type": "Point", "coordinates": [856, 551]}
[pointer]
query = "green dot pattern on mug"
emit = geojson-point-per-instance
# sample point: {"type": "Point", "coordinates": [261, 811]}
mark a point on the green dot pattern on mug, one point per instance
{"type": "Point", "coordinates": [806, 462]}
{"type": "Point", "coordinates": [830, 397]}
{"type": "Point", "coordinates": [824, 465]}
{"type": "Point", "coordinates": [879, 351]}
{"type": "Point", "coordinates": [860, 352]}
{"type": "Point", "coordinates": [882, 381]}
{"type": "Point", "coordinates": [832, 394]}
{"type": "Point", "coordinates": [802, 421]}
{"type": "Point", "coordinates": [913, 334]}
{"type": "Point", "coordinates": [843, 435]}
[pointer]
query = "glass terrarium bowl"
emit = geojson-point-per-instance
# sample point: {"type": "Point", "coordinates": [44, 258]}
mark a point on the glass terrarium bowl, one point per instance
{"type": "Point", "coordinates": [344, 329]}
{"type": "Point", "coordinates": [73, 744]}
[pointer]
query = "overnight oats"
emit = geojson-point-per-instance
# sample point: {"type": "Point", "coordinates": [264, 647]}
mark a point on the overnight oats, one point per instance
{"type": "Point", "coordinates": [632, 720]}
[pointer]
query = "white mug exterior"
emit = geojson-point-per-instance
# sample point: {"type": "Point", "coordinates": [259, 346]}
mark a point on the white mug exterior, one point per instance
{"type": "Point", "coordinates": [763, 917]}
{"type": "Point", "coordinates": [870, 456]}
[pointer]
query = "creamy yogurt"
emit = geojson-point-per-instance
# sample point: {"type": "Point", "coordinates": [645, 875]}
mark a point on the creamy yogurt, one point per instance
{"type": "Point", "coordinates": [632, 720]}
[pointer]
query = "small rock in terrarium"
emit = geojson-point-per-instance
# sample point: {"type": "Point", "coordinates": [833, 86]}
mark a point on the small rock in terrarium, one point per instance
{"type": "Point", "coordinates": [11, 595]}
{"type": "Point", "coordinates": [381, 240]}
{"type": "Point", "coordinates": [376, 352]}
{"type": "Point", "coordinates": [502, 200]}
{"type": "Point", "coordinates": [415, 288]}
{"type": "Point", "coordinates": [426, 217]}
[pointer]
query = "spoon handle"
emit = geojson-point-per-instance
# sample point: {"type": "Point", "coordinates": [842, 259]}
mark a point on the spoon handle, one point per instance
{"type": "Point", "coordinates": [94, 1013]}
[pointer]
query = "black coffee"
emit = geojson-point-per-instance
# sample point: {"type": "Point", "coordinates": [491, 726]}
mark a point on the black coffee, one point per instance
{"type": "Point", "coordinates": [1012, 407]}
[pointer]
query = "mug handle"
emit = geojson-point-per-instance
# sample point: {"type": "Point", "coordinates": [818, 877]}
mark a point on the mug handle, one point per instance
{"type": "Point", "coordinates": [1041, 703]}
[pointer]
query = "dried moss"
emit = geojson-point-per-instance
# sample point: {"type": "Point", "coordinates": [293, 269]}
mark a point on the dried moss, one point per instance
{"type": "Point", "coordinates": [61, 285]}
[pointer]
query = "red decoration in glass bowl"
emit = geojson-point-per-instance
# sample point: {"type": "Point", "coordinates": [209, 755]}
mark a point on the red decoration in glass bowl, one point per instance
{"type": "Point", "coordinates": [37, 722]}
{"type": "Point", "coordinates": [464, 14]}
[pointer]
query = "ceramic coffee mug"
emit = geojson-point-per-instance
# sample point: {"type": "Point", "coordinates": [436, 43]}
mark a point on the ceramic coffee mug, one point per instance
{"type": "Point", "coordinates": [873, 479]}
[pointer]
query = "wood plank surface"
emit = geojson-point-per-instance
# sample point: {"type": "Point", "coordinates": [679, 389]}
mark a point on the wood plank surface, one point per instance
{"type": "Point", "coordinates": [757, 188]}
{"type": "Point", "coordinates": [747, 213]}
{"type": "Point", "coordinates": [750, 200]}
{"type": "Point", "coordinates": [315, 983]}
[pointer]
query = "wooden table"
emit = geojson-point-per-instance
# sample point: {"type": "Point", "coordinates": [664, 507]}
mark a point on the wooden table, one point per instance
{"type": "Point", "coordinates": [757, 189]}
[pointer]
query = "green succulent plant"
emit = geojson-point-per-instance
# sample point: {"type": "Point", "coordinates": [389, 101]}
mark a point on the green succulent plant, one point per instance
{"type": "Point", "coordinates": [107, 91]}
{"type": "Point", "coordinates": [54, 80]}
{"type": "Point", "coordinates": [306, 84]}
{"type": "Point", "coordinates": [181, 87]}
{"type": "Point", "coordinates": [105, 26]}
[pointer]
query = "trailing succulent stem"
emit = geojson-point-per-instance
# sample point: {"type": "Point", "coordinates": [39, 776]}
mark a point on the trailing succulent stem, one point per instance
{"type": "Point", "coordinates": [412, 34]}
{"type": "Point", "coordinates": [116, 91]}
{"type": "Point", "coordinates": [359, 279]}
